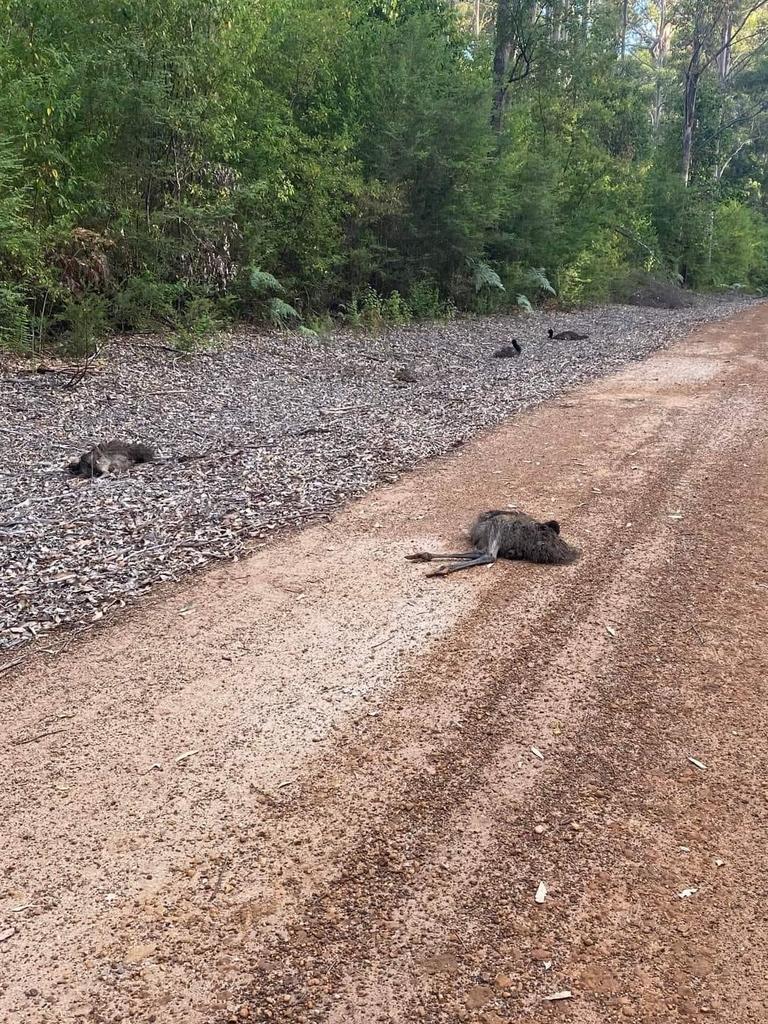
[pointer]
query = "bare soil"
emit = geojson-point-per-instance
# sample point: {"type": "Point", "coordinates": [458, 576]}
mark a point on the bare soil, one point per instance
{"type": "Point", "coordinates": [304, 787]}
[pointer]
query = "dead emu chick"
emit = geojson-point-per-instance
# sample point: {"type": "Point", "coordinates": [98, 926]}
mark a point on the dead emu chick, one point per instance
{"type": "Point", "coordinates": [110, 457]}
{"type": "Point", "coordinates": [511, 535]}
{"type": "Point", "coordinates": [507, 351]}
{"type": "Point", "coordinates": [567, 336]}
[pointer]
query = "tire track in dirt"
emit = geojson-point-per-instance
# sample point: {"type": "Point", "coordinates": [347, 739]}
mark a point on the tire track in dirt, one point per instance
{"type": "Point", "coordinates": [494, 811]}
{"type": "Point", "coordinates": [648, 829]}
{"type": "Point", "coordinates": [329, 898]}
{"type": "Point", "coordinates": [410, 784]}
{"type": "Point", "coordinates": [379, 889]}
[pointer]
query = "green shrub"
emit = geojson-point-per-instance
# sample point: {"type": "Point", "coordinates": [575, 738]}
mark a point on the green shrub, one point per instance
{"type": "Point", "coordinates": [15, 324]}
{"type": "Point", "coordinates": [266, 303]}
{"type": "Point", "coordinates": [282, 314]}
{"type": "Point", "coordinates": [588, 277]}
{"type": "Point", "coordinates": [191, 162]}
{"type": "Point", "coordinates": [85, 322]}
{"type": "Point", "coordinates": [396, 310]}
{"type": "Point", "coordinates": [371, 310]}
{"type": "Point", "coordinates": [424, 300]}
{"type": "Point", "coordinates": [144, 304]}
{"type": "Point", "coordinates": [320, 324]}
{"type": "Point", "coordinates": [738, 246]}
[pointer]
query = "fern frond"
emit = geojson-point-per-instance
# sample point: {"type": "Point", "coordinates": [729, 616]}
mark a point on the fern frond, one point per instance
{"type": "Point", "coordinates": [538, 278]}
{"type": "Point", "coordinates": [263, 282]}
{"type": "Point", "coordinates": [484, 276]}
{"type": "Point", "coordinates": [282, 313]}
{"type": "Point", "coordinates": [524, 301]}
{"type": "Point", "coordinates": [14, 320]}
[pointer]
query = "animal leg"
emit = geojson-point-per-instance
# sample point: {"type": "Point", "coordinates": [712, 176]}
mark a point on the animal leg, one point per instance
{"type": "Point", "coordinates": [432, 556]}
{"type": "Point", "coordinates": [481, 558]}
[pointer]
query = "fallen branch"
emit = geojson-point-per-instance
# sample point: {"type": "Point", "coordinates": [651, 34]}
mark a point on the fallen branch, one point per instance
{"type": "Point", "coordinates": [36, 737]}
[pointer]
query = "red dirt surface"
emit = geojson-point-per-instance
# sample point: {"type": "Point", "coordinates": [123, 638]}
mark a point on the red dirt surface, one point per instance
{"type": "Point", "coordinates": [361, 824]}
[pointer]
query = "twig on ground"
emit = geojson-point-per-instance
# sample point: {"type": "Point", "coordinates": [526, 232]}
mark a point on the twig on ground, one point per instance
{"type": "Point", "coordinates": [36, 737]}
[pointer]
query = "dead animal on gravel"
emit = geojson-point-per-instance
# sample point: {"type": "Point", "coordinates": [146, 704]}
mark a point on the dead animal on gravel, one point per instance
{"type": "Point", "coordinates": [567, 336]}
{"type": "Point", "coordinates": [110, 457]}
{"type": "Point", "coordinates": [510, 535]}
{"type": "Point", "coordinates": [507, 351]}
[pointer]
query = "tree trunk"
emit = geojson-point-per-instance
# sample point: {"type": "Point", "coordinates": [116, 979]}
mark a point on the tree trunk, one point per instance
{"type": "Point", "coordinates": [689, 118]}
{"type": "Point", "coordinates": [558, 11]}
{"type": "Point", "coordinates": [659, 53]}
{"type": "Point", "coordinates": [502, 54]}
{"type": "Point", "coordinates": [624, 19]}
{"type": "Point", "coordinates": [711, 217]}
{"type": "Point", "coordinates": [724, 58]}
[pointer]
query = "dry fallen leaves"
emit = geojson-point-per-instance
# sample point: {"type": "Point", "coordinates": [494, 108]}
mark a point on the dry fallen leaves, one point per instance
{"type": "Point", "coordinates": [267, 459]}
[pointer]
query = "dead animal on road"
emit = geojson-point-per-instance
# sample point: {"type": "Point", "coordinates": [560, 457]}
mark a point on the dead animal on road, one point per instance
{"type": "Point", "coordinates": [110, 457]}
{"type": "Point", "coordinates": [510, 535]}
{"type": "Point", "coordinates": [567, 336]}
{"type": "Point", "coordinates": [507, 351]}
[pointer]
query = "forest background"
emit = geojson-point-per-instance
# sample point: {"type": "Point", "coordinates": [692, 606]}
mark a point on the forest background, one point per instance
{"type": "Point", "coordinates": [181, 164]}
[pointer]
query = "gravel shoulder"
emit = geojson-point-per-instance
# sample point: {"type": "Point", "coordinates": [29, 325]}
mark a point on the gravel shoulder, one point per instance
{"type": "Point", "coordinates": [304, 788]}
{"type": "Point", "coordinates": [281, 431]}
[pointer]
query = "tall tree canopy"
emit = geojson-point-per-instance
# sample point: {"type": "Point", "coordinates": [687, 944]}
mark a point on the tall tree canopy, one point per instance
{"type": "Point", "coordinates": [178, 162]}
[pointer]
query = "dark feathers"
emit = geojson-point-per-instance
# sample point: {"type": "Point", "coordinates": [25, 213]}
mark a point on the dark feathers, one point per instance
{"type": "Point", "coordinates": [515, 535]}
{"type": "Point", "coordinates": [503, 534]}
{"type": "Point", "coordinates": [567, 336]}
{"type": "Point", "coordinates": [507, 351]}
{"type": "Point", "coordinates": [110, 457]}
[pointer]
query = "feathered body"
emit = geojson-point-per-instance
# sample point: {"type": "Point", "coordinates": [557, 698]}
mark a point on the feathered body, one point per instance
{"type": "Point", "coordinates": [515, 535]}
{"type": "Point", "coordinates": [567, 336]}
{"type": "Point", "coordinates": [111, 457]}
{"type": "Point", "coordinates": [504, 534]}
{"type": "Point", "coordinates": [508, 351]}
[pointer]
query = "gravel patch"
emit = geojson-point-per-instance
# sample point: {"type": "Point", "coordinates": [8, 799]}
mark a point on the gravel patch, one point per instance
{"type": "Point", "coordinates": [281, 430]}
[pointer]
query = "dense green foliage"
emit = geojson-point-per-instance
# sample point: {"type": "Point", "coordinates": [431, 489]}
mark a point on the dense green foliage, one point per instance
{"type": "Point", "coordinates": [181, 163]}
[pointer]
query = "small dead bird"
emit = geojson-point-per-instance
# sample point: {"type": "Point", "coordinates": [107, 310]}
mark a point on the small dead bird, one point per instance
{"type": "Point", "coordinates": [507, 351]}
{"type": "Point", "coordinates": [110, 457]}
{"type": "Point", "coordinates": [511, 535]}
{"type": "Point", "coordinates": [567, 336]}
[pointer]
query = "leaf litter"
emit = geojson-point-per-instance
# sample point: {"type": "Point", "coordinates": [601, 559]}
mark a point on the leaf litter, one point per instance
{"type": "Point", "coordinates": [267, 432]}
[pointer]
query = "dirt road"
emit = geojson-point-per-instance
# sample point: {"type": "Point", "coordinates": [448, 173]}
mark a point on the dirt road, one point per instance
{"type": "Point", "coordinates": [304, 788]}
